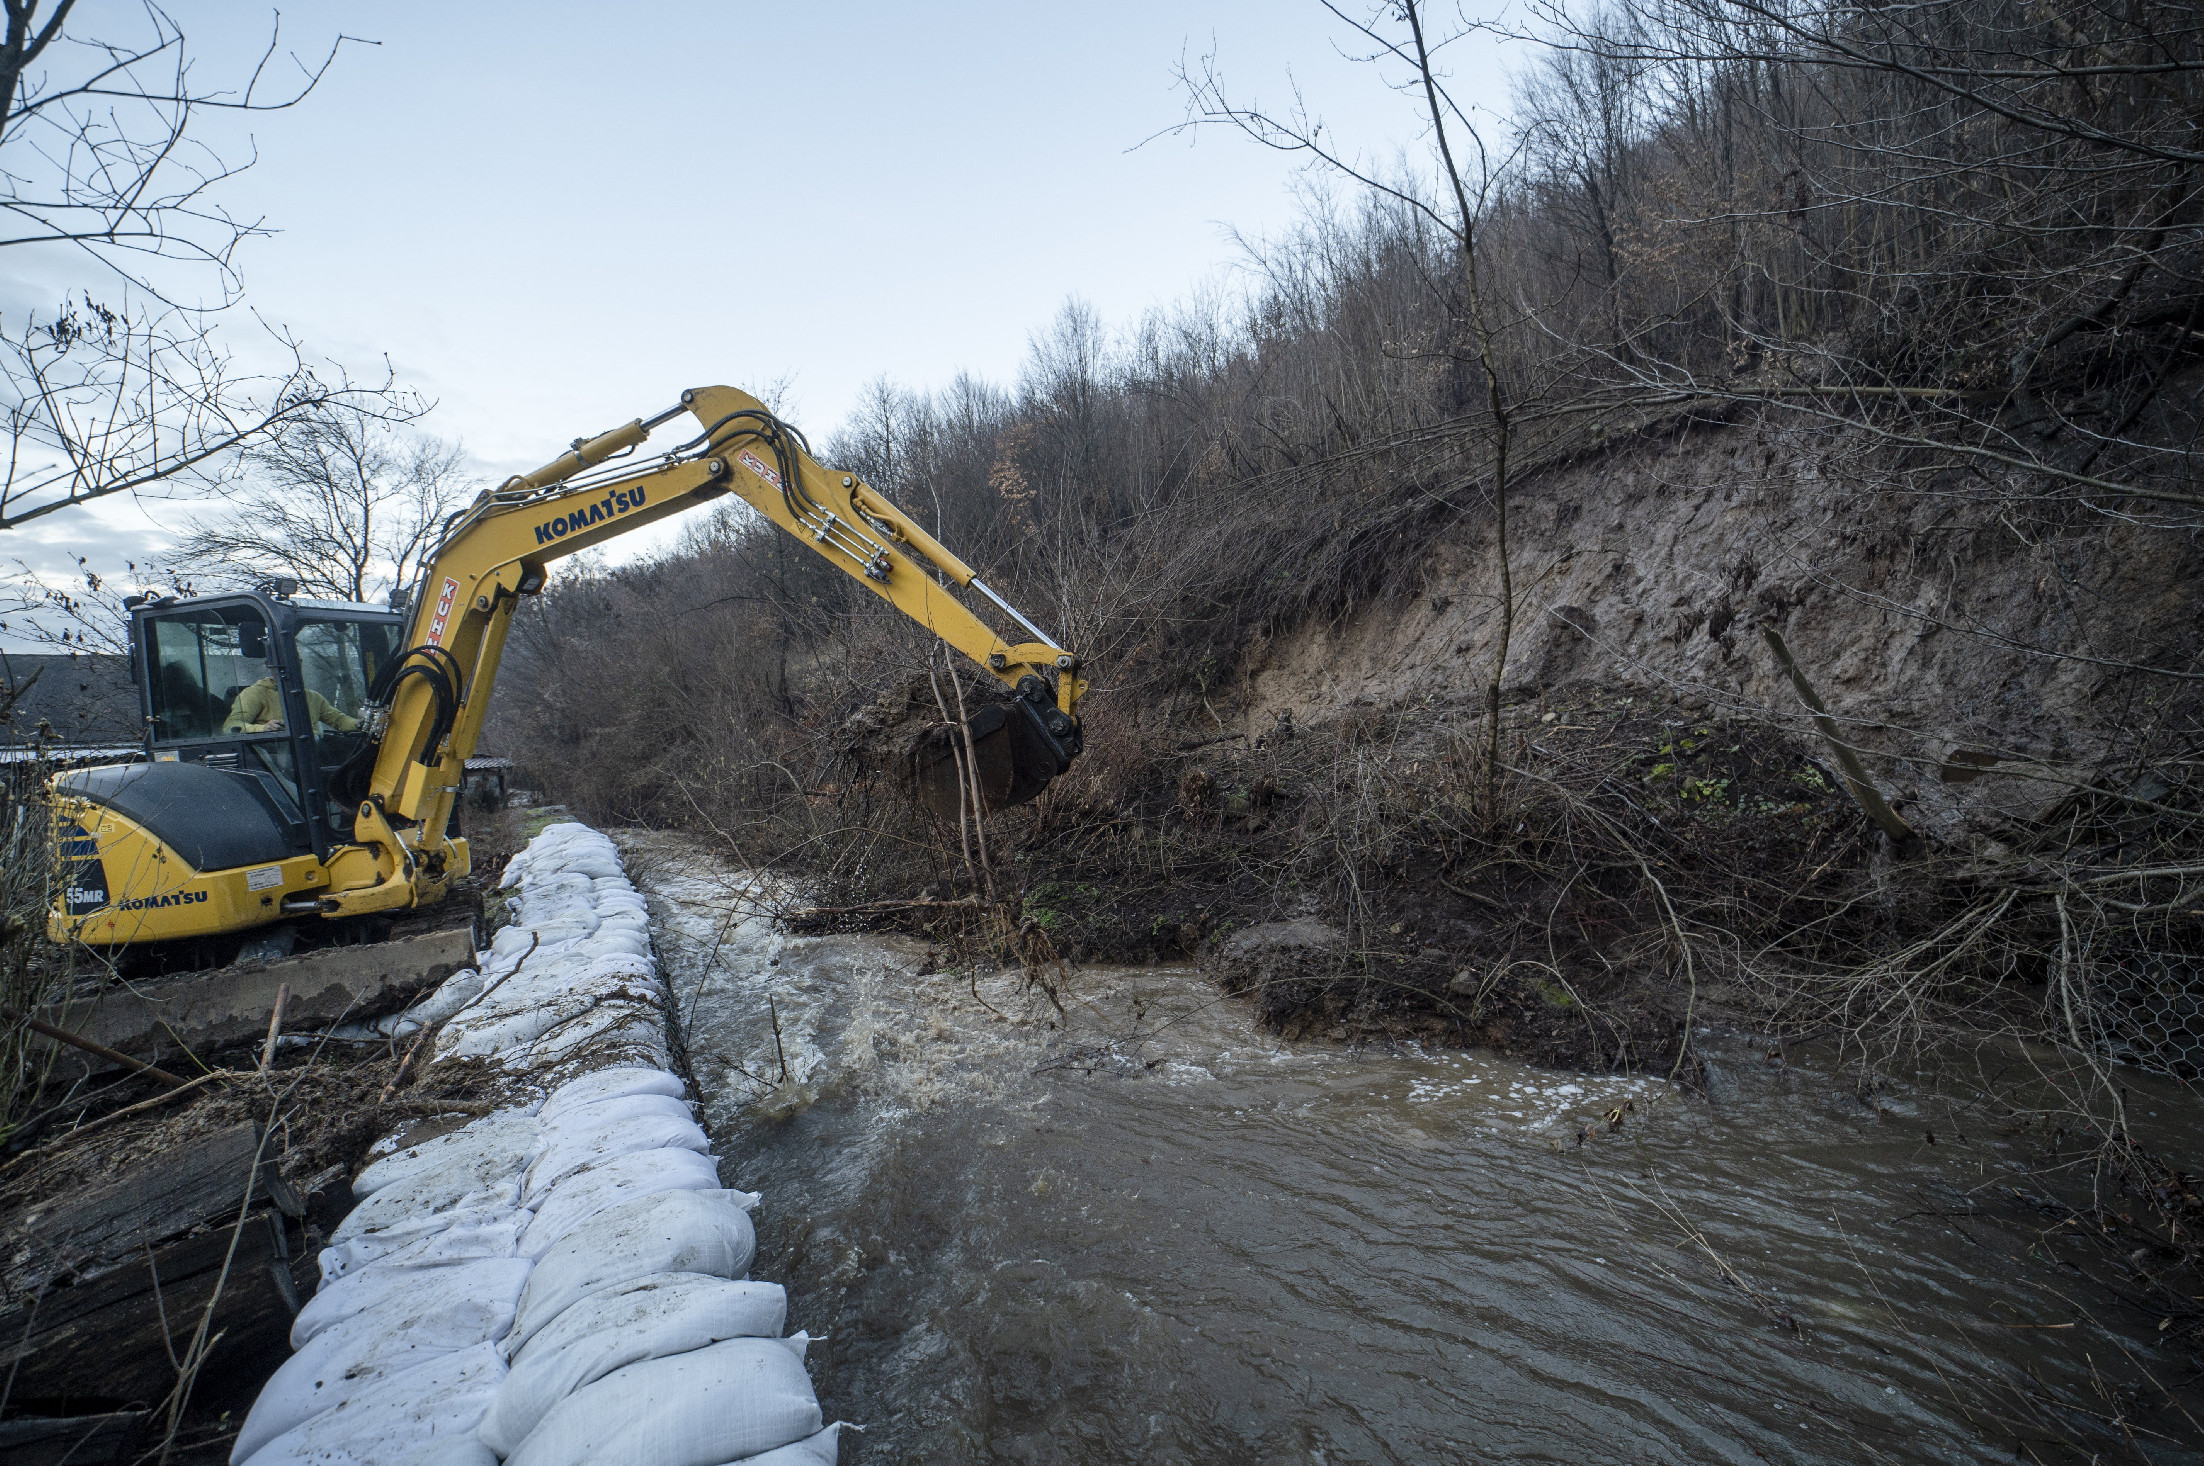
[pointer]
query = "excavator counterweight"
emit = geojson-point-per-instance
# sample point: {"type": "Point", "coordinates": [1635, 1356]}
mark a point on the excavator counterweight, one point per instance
{"type": "Point", "coordinates": [304, 758]}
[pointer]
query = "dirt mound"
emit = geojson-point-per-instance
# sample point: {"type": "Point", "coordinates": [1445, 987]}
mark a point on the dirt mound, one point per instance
{"type": "Point", "coordinates": [1432, 982]}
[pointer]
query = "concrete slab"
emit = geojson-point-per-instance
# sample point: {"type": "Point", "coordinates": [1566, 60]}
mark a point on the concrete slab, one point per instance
{"type": "Point", "coordinates": [202, 1012]}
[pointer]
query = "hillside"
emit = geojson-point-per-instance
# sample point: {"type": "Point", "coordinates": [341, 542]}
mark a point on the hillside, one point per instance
{"type": "Point", "coordinates": [1436, 590]}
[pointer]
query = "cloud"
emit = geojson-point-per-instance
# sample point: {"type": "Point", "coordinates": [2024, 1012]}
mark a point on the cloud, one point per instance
{"type": "Point", "coordinates": [104, 539]}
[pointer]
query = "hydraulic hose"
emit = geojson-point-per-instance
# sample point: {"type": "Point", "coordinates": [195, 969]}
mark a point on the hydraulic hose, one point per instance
{"type": "Point", "coordinates": [445, 678]}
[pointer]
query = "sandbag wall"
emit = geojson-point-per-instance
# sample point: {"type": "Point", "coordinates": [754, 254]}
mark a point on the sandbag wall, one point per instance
{"type": "Point", "coordinates": [563, 1280]}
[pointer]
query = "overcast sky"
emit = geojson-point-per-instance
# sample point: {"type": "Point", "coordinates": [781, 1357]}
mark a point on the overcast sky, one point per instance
{"type": "Point", "coordinates": [552, 217]}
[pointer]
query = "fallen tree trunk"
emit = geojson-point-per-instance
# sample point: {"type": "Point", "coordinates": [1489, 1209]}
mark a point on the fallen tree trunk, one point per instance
{"type": "Point", "coordinates": [88, 1232]}
{"type": "Point", "coordinates": [1863, 788]}
{"type": "Point", "coordinates": [112, 1341]}
{"type": "Point", "coordinates": [98, 1050]}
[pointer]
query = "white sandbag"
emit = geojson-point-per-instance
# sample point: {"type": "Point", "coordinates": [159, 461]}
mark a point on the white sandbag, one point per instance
{"type": "Point", "coordinates": [570, 980]}
{"type": "Point", "coordinates": [548, 888]}
{"type": "Point", "coordinates": [710, 1405]}
{"type": "Point", "coordinates": [454, 993]}
{"type": "Point", "coordinates": [622, 934]}
{"type": "Point", "coordinates": [550, 856]}
{"type": "Point", "coordinates": [614, 994]}
{"type": "Point", "coordinates": [551, 895]}
{"type": "Point", "coordinates": [395, 1417]}
{"type": "Point", "coordinates": [572, 972]}
{"type": "Point", "coordinates": [595, 863]}
{"type": "Point", "coordinates": [572, 1120]}
{"type": "Point", "coordinates": [610, 1182]}
{"type": "Point", "coordinates": [543, 1039]}
{"type": "Point", "coordinates": [672, 1232]}
{"type": "Point", "coordinates": [632, 1032]}
{"type": "Point", "coordinates": [555, 917]}
{"type": "Point", "coordinates": [467, 1235]}
{"type": "Point", "coordinates": [552, 971]}
{"type": "Point", "coordinates": [745, 1309]}
{"type": "Point", "coordinates": [453, 1187]}
{"type": "Point", "coordinates": [468, 1450]}
{"type": "Point", "coordinates": [610, 1084]}
{"type": "Point", "coordinates": [823, 1449]}
{"type": "Point", "coordinates": [511, 944]}
{"type": "Point", "coordinates": [371, 1287]}
{"type": "Point", "coordinates": [619, 936]}
{"type": "Point", "coordinates": [497, 1146]}
{"type": "Point", "coordinates": [648, 1318]}
{"type": "Point", "coordinates": [619, 1134]}
{"type": "Point", "coordinates": [396, 1335]}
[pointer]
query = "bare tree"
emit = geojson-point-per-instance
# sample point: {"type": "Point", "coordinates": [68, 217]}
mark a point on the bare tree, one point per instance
{"type": "Point", "coordinates": [125, 386]}
{"type": "Point", "coordinates": [1473, 322]}
{"type": "Point", "coordinates": [344, 503]}
{"type": "Point", "coordinates": [1584, 118]}
{"type": "Point", "coordinates": [1967, 226]}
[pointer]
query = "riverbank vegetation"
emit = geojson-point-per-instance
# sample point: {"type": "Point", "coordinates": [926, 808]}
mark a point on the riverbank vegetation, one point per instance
{"type": "Point", "coordinates": [1932, 274]}
{"type": "Point", "coordinates": [1761, 589]}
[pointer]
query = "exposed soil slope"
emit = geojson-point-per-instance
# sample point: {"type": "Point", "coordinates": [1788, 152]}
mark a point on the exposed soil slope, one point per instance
{"type": "Point", "coordinates": [1950, 636]}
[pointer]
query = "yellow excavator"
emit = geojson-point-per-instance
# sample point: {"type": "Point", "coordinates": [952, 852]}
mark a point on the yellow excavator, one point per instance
{"type": "Point", "coordinates": [304, 757]}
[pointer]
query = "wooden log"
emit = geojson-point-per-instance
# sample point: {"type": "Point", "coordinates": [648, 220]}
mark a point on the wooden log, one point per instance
{"type": "Point", "coordinates": [89, 1231]}
{"type": "Point", "coordinates": [202, 1012]}
{"type": "Point", "coordinates": [78, 1440]}
{"type": "Point", "coordinates": [275, 1026]}
{"type": "Point", "coordinates": [112, 1340]}
{"type": "Point", "coordinates": [1869, 798]}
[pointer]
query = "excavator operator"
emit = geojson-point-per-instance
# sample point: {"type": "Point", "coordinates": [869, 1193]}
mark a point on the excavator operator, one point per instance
{"type": "Point", "coordinates": [259, 709]}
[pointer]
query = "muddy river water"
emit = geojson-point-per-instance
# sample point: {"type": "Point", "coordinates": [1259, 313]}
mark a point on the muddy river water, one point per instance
{"type": "Point", "coordinates": [1141, 1231]}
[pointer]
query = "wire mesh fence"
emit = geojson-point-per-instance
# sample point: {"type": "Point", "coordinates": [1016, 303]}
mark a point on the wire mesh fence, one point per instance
{"type": "Point", "coordinates": [2147, 1010]}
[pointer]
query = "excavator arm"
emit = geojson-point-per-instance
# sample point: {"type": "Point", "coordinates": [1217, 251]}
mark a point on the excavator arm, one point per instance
{"type": "Point", "coordinates": [430, 703]}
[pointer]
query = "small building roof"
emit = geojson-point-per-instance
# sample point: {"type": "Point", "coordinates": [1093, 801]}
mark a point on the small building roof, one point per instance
{"type": "Point", "coordinates": [80, 697]}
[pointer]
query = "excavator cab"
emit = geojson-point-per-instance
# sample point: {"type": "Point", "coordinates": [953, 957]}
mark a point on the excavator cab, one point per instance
{"type": "Point", "coordinates": [269, 686]}
{"type": "Point", "coordinates": [255, 752]}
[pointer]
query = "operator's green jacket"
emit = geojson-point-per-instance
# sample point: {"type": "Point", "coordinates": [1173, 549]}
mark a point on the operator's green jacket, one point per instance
{"type": "Point", "coordinates": [260, 704]}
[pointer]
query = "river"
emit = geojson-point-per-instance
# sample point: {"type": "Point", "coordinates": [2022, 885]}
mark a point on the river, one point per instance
{"type": "Point", "coordinates": [1138, 1230]}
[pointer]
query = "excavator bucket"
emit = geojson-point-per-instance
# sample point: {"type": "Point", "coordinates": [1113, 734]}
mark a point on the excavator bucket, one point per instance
{"type": "Point", "coordinates": [1012, 758]}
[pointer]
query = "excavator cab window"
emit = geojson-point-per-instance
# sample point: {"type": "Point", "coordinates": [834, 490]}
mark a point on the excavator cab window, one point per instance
{"type": "Point", "coordinates": [198, 662]}
{"type": "Point", "coordinates": [338, 661]}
